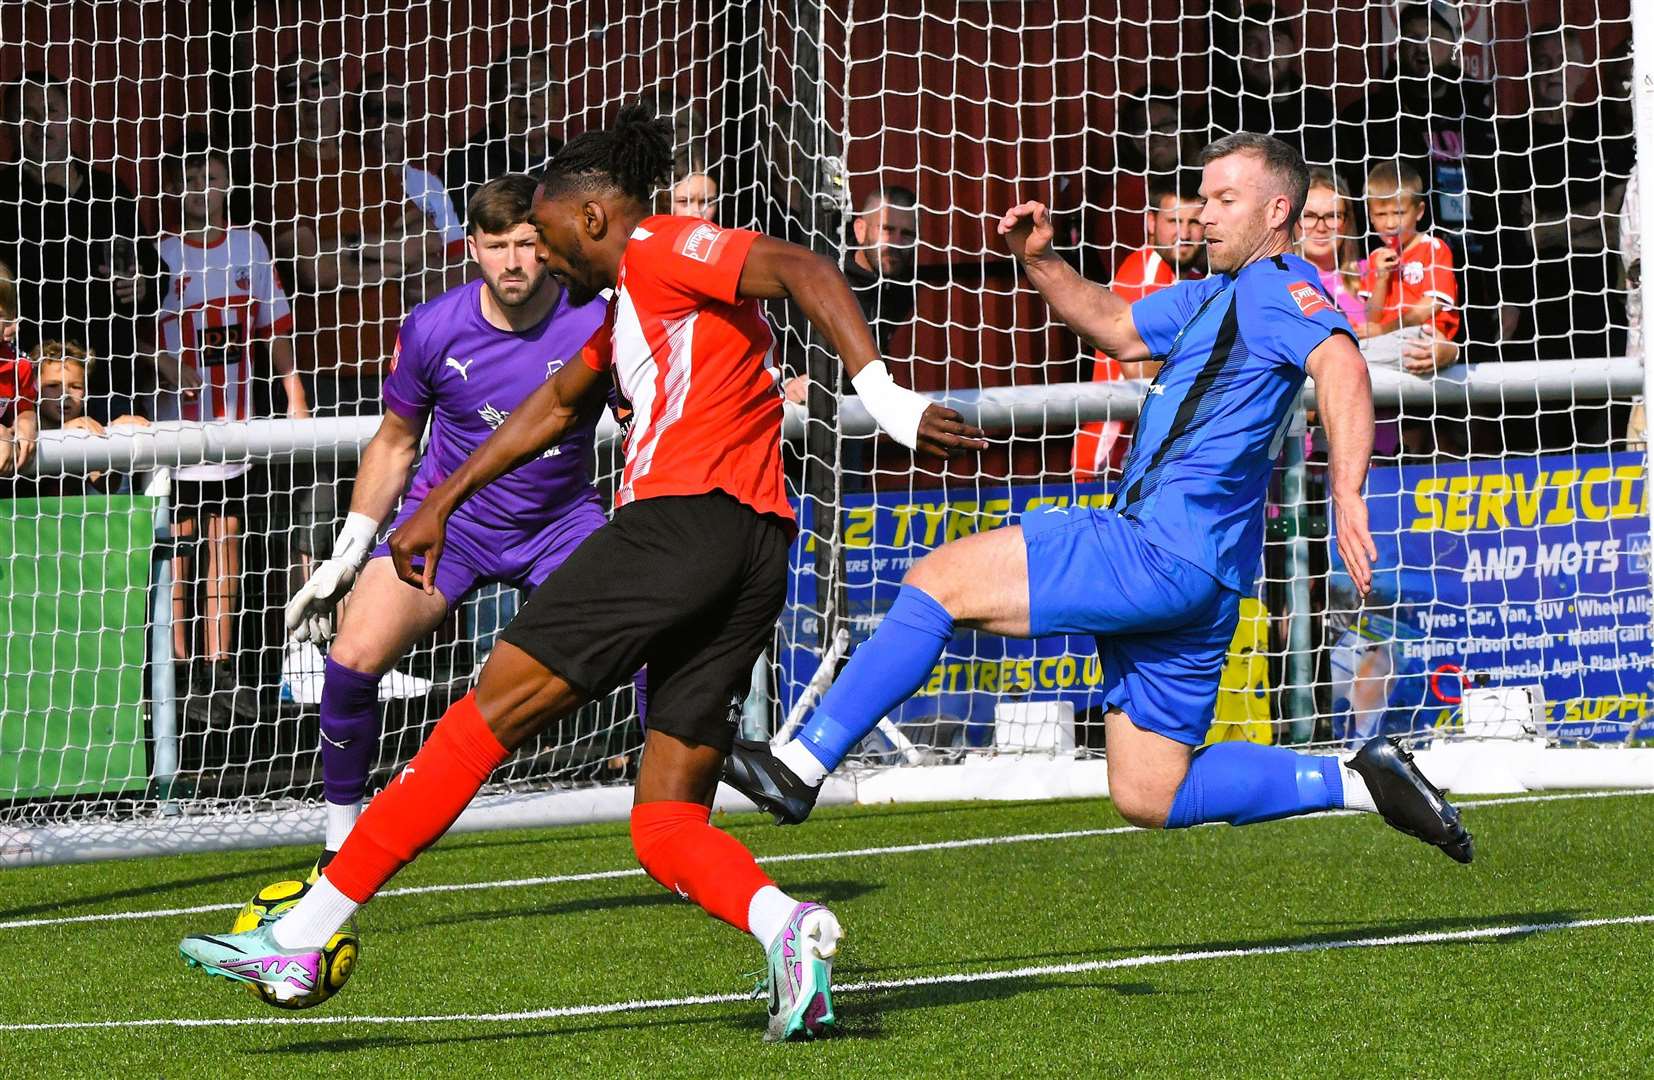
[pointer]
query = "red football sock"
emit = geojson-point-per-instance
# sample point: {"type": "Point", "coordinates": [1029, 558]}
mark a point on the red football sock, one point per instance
{"type": "Point", "coordinates": [420, 804]}
{"type": "Point", "coordinates": [683, 852]}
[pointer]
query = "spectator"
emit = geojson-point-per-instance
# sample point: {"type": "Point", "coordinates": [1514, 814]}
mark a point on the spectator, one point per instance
{"type": "Point", "coordinates": [1263, 89]}
{"type": "Point", "coordinates": [880, 267]}
{"type": "Point", "coordinates": [348, 231]}
{"type": "Point", "coordinates": [1423, 112]}
{"type": "Point", "coordinates": [524, 96]}
{"type": "Point", "coordinates": [1176, 251]}
{"type": "Point", "coordinates": [382, 125]}
{"type": "Point", "coordinates": [1152, 139]}
{"type": "Point", "coordinates": [1406, 283]}
{"type": "Point", "coordinates": [63, 369]}
{"type": "Point", "coordinates": [19, 422]}
{"type": "Point", "coordinates": [72, 235]}
{"type": "Point", "coordinates": [1409, 280]}
{"type": "Point", "coordinates": [1561, 173]}
{"type": "Point", "coordinates": [693, 194]}
{"type": "Point", "coordinates": [1326, 238]}
{"type": "Point", "coordinates": [224, 300]}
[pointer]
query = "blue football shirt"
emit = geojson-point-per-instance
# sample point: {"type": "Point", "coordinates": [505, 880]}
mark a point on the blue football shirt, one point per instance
{"type": "Point", "coordinates": [1233, 349]}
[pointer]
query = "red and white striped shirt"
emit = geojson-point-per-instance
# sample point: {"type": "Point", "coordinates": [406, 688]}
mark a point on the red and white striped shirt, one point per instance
{"type": "Point", "coordinates": [222, 299]}
{"type": "Point", "coordinates": [693, 359]}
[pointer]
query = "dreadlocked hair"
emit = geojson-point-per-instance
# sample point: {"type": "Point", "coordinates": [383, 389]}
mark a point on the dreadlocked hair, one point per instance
{"type": "Point", "coordinates": [633, 155]}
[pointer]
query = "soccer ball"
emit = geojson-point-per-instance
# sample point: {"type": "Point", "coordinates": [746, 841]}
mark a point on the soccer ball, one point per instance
{"type": "Point", "coordinates": [338, 957]}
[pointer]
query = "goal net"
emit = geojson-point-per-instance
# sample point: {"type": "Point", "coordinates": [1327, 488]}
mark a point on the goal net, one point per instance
{"type": "Point", "coordinates": [1470, 213]}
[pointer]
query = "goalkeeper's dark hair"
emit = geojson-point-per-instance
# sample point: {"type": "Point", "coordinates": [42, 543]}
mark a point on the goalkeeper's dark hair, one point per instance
{"type": "Point", "coordinates": [501, 204]}
{"type": "Point", "coordinates": [632, 156]}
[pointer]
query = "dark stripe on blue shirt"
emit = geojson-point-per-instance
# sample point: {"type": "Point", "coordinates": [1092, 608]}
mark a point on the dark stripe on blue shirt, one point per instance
{"type": "Point", "coordinates": [1189, 408]}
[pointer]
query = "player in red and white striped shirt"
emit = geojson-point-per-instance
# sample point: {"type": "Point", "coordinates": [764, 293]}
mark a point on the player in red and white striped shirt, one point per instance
{"type": "Point", "coordinates": [688, 577]}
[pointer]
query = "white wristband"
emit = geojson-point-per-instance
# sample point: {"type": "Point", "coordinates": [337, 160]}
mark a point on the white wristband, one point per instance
{"type": "Point", "coordinates": [355, 540]}
{"type": "Point", "coordinates": [896, 409]}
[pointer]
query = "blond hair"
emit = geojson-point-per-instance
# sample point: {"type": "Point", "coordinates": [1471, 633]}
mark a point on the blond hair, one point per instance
{"type": "Point", "coordinates": [63, 352]}
{"type": "Point", "coordinates": [1394, 180]}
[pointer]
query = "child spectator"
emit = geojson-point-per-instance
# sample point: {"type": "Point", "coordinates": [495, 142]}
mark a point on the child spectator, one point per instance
{"type": "Point", "coordinates": [1409, 281]}
{"type": "Point", "coordinates": [695, 194]}
{"type": "Point", "coordinates": [18, 423]}
{"type": "Point", "coordinates": [64, 369]}
{"type": "Point", "coordinates": [225, 297]}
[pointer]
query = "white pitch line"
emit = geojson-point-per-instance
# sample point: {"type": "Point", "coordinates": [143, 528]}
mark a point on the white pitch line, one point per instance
{"type": "Point", "coordinates": [1485, 933]}
{"type": "Point", "coordinates": [808, 856]}
{"type": "Point", "coordinates": [600, 875]}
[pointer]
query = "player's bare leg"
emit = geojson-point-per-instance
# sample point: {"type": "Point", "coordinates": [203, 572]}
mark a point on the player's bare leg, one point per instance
{"type": "Point", "coordinates": [1145, 770]}
{"type": "Point", "coordinates": [384, 618]}
{"type": "Point", "coordinates": [183, 584]}
{"type": "Point", "coordinates": [223, 581]}
{"type": "Point", "coordinates": [678, 846]}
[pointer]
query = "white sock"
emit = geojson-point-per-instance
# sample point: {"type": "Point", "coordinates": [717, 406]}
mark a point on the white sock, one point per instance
{"type": "Point", "coordinates": [1356, 795]}
{"type": "Point", "coordinates": [315, 918]}
{"type": "Point", "coordinates": [797, 757]}
{"type": "Point", "coordinates": [340, 820]}
{"type": "Point", "coordinates": [767, 914]}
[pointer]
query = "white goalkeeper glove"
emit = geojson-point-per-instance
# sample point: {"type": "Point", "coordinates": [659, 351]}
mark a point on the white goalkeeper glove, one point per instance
{"type": "Point", "coordinates": [310, 612]}
{"type": "Point", "coordinates": [895, 408]}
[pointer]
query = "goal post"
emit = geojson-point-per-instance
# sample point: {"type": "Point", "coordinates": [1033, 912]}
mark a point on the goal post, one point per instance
{"type": "Point", "coordinates": [1509, 639]}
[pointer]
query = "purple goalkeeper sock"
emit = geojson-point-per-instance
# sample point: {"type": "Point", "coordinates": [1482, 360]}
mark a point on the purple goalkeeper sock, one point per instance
{"type": "Point", "coordinates": [350, 732]}
{"type": "Point", "coordinates": [884, 672]}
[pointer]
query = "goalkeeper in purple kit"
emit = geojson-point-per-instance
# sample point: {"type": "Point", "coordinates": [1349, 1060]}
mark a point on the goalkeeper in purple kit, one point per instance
{"type": "Point", "coordinates": [463, 362]}
{"type": "Point", "coordinates": [1158, 576]}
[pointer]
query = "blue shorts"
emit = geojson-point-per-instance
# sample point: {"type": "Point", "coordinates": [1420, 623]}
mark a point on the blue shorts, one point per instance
{"type": "Point", "coordinates": [1163, 625]}
{"type": "Point", "coordinates": [474, 553]}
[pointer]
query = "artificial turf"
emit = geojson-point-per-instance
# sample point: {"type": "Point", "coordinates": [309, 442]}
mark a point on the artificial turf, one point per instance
{"type": "Point", "coordinates": [1561, 1001]}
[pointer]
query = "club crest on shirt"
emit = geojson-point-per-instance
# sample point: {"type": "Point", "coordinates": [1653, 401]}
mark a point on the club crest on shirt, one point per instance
{"type": "Point", "coordinates": [243, 278]}
{"type": "Point", "coordinates": [1308, 297]}
{"type": "Point", "coordinates": [702, 243]}
{"type": "Point", "coordinates": [1412, 272]}
{"type": "Point", "coordinates": [495, 417]}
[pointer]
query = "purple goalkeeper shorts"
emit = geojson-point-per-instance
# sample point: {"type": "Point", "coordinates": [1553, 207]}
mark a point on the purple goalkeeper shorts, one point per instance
{"type": "Point", "coordinates": [476, 552]}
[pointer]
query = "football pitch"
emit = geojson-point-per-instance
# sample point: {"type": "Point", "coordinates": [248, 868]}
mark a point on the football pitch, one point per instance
{"type": "Point", "coordinates": [983, 939]}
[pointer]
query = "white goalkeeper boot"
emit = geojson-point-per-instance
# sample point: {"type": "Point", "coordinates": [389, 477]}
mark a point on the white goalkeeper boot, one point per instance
{"type": "Point", "coordinates": [302, 673]}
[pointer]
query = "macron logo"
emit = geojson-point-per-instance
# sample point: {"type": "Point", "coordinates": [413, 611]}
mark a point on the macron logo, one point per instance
{"type": "Point", "coordinates": [1308, 298]}
{"type": "Point", "coordinates": [463, 369]}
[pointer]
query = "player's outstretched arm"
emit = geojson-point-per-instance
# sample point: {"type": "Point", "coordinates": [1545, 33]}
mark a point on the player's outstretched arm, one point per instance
{"type": "Point", "coordinates": [776, 270]}
{"type": "Point", "coordinates": [1101, 318]}
{"type": "Point", "coordinates": [387, 462]}
{"type": "Point", "coordinates": [1344, 398]}
{"type": "Point", "coordinates": [531, 429]}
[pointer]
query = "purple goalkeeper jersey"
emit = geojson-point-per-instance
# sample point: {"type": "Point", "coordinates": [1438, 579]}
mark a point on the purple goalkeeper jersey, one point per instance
{"type": "Point", "coordinates": [466, 375]}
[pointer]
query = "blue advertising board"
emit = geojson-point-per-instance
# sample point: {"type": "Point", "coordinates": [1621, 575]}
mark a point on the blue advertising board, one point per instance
{"type": "Point", "coordinates": [1519, 571]}
{"type": "Point", "coordinates": [885, 533]}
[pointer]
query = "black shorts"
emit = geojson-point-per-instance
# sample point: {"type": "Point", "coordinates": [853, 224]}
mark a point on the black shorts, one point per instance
{"type": "Point", "coordinates": [192, 498]}
{"type": "Point", "coordinates": [690, 585]}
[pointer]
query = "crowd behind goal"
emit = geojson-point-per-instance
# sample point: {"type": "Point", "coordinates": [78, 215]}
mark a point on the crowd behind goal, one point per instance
{"type": "Point", "coordinates": [271, 279]}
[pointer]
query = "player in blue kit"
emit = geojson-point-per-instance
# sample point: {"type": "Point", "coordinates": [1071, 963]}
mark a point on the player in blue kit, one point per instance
{"type": "Point", "coordinates": [463, 362]}
{"type": "Point", "coordinates": [1158, 576]}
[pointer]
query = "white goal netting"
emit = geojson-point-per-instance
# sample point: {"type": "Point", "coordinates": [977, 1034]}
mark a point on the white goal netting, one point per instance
{"type": "Point", "coordinates": [1470, 213]}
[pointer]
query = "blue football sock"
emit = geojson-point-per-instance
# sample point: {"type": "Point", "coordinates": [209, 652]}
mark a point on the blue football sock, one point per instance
{"type": "Point", "coordinates": [1242, 783]}
{"type": "Point", "coordinates": [883, 673]}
